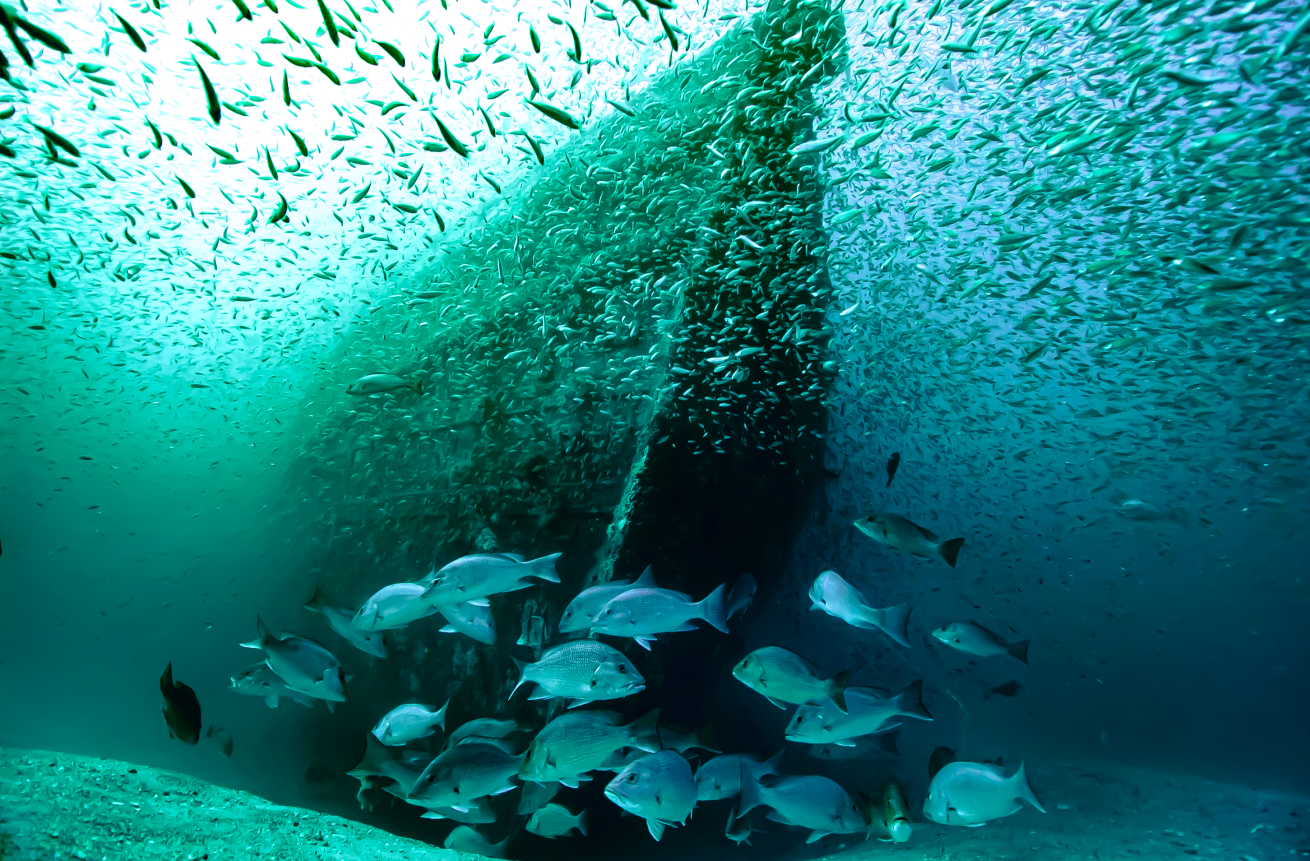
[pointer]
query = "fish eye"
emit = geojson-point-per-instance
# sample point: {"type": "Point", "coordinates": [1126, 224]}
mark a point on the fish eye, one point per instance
{"type": "Point", "coordinates": [622, 668]}
{"type": "Point", "coordinates": [632, 777]}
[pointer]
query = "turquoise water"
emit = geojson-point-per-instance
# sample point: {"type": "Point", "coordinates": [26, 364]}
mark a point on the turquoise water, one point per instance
{"type": "Point", "coordinates": [1027, 274]}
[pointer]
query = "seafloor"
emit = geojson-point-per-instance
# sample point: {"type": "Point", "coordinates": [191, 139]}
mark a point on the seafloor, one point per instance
{"type": "Point", "coordinates": [56, 806]}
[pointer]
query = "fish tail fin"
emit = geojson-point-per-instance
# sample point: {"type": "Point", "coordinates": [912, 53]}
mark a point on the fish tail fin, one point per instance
{"type": "Point", "coordinates": [750, 794]}
{"type": "Point", "coordinates": [418, 386]}
{"type": "Point", "coordinates": [544, 568]}
{"type": "Point", "coordinates": [521, 666]}
{"type": "Point", "coordinates": [1019, 650]}
{"type": "Point", "coordinates": [166, 680]}
{"type": "Point", "coordinates": [895, 621]}
{"type": "Point", "coordinates": [375, 757]}
{"type": "Point", "coordinates": [645, 731]}
{"type": "Point", "coordinates": [909, 702]}
{"type": "Point", "coordinates": [440, 717]}
{"type": "Point", "coordinates": [836, 689]}
{"type": "Point", "coordinates": [949, 550]}
{"type": "Point", "coordinates": [1024, 789]}
{"type": "Point", "coordinates": [580, 822]}
{"type": "Point", "coordinates": [711, 609]}
{"type": "Point", "coordinates": [317, 602]}
{"type": "Point", "coordinates": [262, 636]}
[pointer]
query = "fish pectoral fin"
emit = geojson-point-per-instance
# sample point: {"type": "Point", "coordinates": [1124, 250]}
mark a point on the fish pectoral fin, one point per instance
{"type": "Point", "coordinates": [331, 706]}
{"type": "Point", "coordinates": [656, 828]}
{"type": "Point", "coordinates": [846, 742]}
{"type": "Point", "coordinates": [540, 695]}
{"type": "Point", "coordinates": [577, 703]}
{"type": "Point", "coordinates": [645, 642]}
{"type": "Point", "coordinates": [777, 703]}
{"type": "Point", "coordinates": [447, 629]}
{"type": "Point", "coordinates": [270, 701]}
{"type": "Point", "coordinates": [479, 602]}
{"type": "Point", "coordinates": [815, 836]}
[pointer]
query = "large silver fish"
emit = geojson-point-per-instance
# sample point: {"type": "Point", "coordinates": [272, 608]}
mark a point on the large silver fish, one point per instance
{"type": "Point", "coordinates": [641, 613]}
{"type": "Point", "coordinates": [306, 666]}
{"type": "Point", "coordinates": [834, 596]}
{"type": "Point", "coordinates": [483, 574]}
{"type": "Point", "coordinates": [465, 772]}
{"type": "Point", "coordinates": [577, 742]}
{"type": "Point", "coordinates": [659, 788]}
{"type": "Point", "coordinates": [721, 777]}
{"type": "Point", "coordinates": [975, 793]}
{"type": "Point", "coordinates": [868, 712]}
{"type": "Point", "coordinates": [393, 606]}
{"type": "Point", "coordinates": [785, 677]}
{"type": "Point", "coordinates": [809, 801]}
{"type": "Point", "coordinates": [584, 671]}
{"type": "Point", "coordinates": [902, 534]}
{"type": "Point", "coordinates": [409, 722]}
{"type": "Point", "coordinates": [471, 618]}
{"type": "Point", "coordinates": [341, 620]}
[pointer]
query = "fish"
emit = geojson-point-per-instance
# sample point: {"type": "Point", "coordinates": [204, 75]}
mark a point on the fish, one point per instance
{"type": "Point", "coordinates": [393, 606]}
{"type": "Point", "coordinates": [465, 772]}
{"type": "Point", "coordinates": [892, 463]}
{"type": "Point", "coordinates": [535, 796]}
{"type": "Point", "coordinates": [721, 777]}
{"type": "Point", "coordinates": [222, 738]}
{"type": "Point", "coordinates": [641, 613]}
{"type": "Point", "coordinates": [181, 708]}
{"type": "Point", "coordinates": [397, 765]}
{"type": "Point", "coordinates": [738, 829]}
{"type": "Point", "coordinates": [743, 592]}
{"type": "Point", "coordinates": [583, 671]}
{"type": "Point", "coordinates": [410, 722]}
{"type": "Point", "coordinates": [473, 619]}
{"type": "Point", "coordinates": [556, 820]}
{"type": "Point", "coordinates": [900, 533]}
{"type": "Point", "coordinates": [868, 712]}
{"type": "Point", "coordinates": [475, 812]}
{"type": "Point", "coordinates": [306, 666]}
{"type": "Point", "coordinates": [808, 801]}
{"type": "Point", "coordinates": [975, 793]}
{"type": "Point", "coordinates": [486, 729]}
{"type": "Point", "coordinates": [886, 743]}
{"type": "Point", "coordinates": [341, 621]}
{"type": "Point", "coordinates": [974, 639]}
{"type": "Point", "coordinates": [376, 384]}
{"type": "Point", "coordinates": [1009, 689]}
{"type": "Point", "coordinates": [659, 788]}
{"type": "Point", "coordinates": [470, 840]}
{"type": "Point", "coordinates": [582, 610]}
{"type": "Point", "coordinates": [784, 677]}
{"type": "Point", "coordinates": [699, 739]}
{"type": "Point", "coordinates": [261, 681]}
{"type": "Point", "coordinates": [483, 574]}
{"type": "Point", "coordinates": [577, 742]}
{"type": "Point", "coordinates": [834, 596]}
{"type": "Point", "coordinates": [889, 813]}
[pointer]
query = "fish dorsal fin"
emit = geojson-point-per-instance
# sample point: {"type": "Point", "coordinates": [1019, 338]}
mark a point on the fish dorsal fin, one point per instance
{"type": "Point", "coordinates": [646, 581]}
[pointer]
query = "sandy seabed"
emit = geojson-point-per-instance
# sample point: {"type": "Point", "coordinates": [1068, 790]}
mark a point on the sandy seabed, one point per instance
{"type": "Point", "coordinates": [56, 806]}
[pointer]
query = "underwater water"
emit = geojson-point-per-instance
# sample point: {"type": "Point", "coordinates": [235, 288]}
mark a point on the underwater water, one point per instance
{"type": "Point", "coordinates": [565, 429]}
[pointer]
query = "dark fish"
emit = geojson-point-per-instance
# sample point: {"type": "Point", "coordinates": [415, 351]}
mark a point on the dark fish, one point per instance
{"type": "Point", "coordinates": [1009, 689]}
{"type": "Point", "coordinates": [892, 463]}
{"type": "Point", "coordinates": [211, 97]}
{"type": "Point", "coordinates": [181, 708]}
{"type": "Point", "coordinates": [940, 758]}
{"type": "Point", "coordinates": [131, 33]}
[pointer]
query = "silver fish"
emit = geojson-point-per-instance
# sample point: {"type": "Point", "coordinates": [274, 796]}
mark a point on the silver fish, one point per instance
{"type": "Point", "coordinates": [743, 592]}
{"type": "Point", "coordinates": [834, 596]}
{"type": "Point", "coordinates": [721, 777]}
{"type": "Point", "coordinates": [809, 801]}
{"type": "Point", "coordinates": [975, 793]}
{"type": "Point", "coordinates": [643, 613]}
{"type": "Point", "coordinates": [900, 533]}
{"type": "Point", "coordinates": [785, 677]}
{"type": "Point", "coordinates": [868, 712]}
{"type": "Point", "coordinates": [659, 788]}
{"type": "Point", "coordinates": [535, 796]}
{"type": "Point", "coordinates": [393, 606]}
{"type": "Point", "coordinates": [470, 840]}
{"type": "Point", "coordinates": [488, 729]}
{"type": "Point", "coordinates": [555, 820]}
{"type": "Point", "coordinates": [465, 772]}
{"type": "Point", "coordinates": [305, 666]}
{"type": "Point", "coordinates": [394, 764]}
{"type": "Point", "coordinates": [483, 574]}
{"type": "Point", "coordinates": [261, 681]}
{"type": "Point", "coordinates": [577, 742]}
{"type": "Point", "coordinates": [974, 639]}
{"type": "Point", "coordinates": [582, 670]}
{"type": "Point", "coordinates": [471, 618]}
{"type": "Point", "coordinates": [409, 722]}
{"type": "Point", "coordinates": [342, 621]}
{"type": "Point", "coordinates": [376, 384]}
{"type": "Point", "coordinates": [582, 610]}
